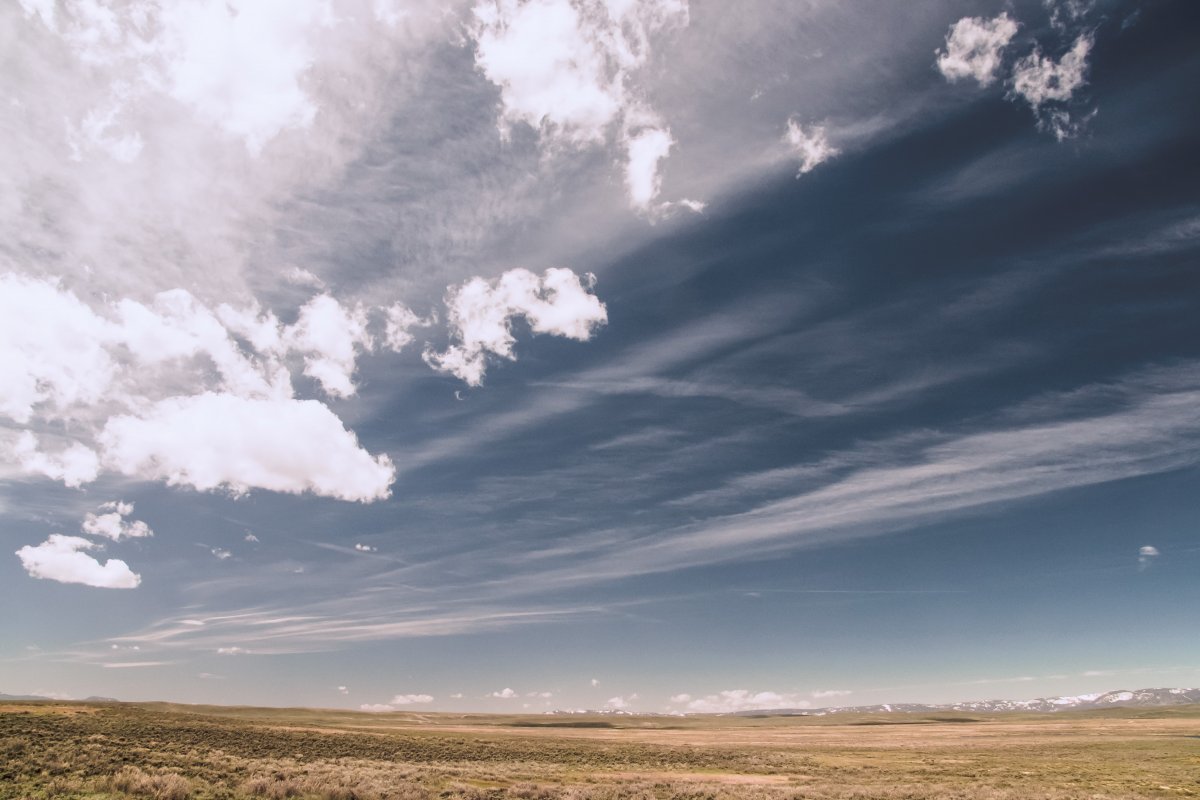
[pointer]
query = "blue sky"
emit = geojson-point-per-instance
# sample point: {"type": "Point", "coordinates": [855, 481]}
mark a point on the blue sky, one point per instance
{"type": "Point", "coordinates": [543, 355]}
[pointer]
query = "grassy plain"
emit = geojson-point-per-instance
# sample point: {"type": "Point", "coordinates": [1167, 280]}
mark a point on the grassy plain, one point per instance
{"type": "Point", "coordinates": [169, 752]}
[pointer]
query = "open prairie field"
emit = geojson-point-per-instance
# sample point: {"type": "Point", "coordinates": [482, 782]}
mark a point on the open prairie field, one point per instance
{"type": "Point", "coordinates": [171, 752]}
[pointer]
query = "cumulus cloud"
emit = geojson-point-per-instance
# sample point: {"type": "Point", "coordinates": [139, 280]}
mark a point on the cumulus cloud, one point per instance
{"type": "Point", "coordinates": [365, 548]}
{"type": "Point", "coordinates": [1040, 79]}
{"type": "Point", "coordinates": [595, 682]}
{"type": "Point", "coordinates": [480, 315]}
{"type": "Point", "coordinates": [974, 46]}
{"type": "Point", "coordinates": [52, 351]}
{"type": "Point", "coordinates": [343, 690]}
{"type": "Point", "coordinates": [61, 558]}
{"type": "Point", "coordinates": [809, 144]}
{"type": "Point", "coordinates": [330, 336]}
{"type": "Point", "coordinates": [646, 150]}
{"type": "Point", "coordinates": [222, 441]}
{"type": "Point", "coordinates": [411, 699]}
{"type": "Point", "coordinates": [732, 700]}
{"type": "Point", "coordinates": [825, 694]}
{"type": "Point", "coordinates": [1146, 555]}
{"type": "Point", "coordinates": [504, 694]}
{"type": "Point", "coordinates": [569, 69]}
{"type": "Point", "coordinates": [400, 321]}
{"type": "Point", "coordinates": [265, 49]}
{"type": "Point", "coordinates": [74, 465]}
{"type": "Point", "coordinates": [113, 525]}
{"type": "Point", "coordinates": [620, 703]}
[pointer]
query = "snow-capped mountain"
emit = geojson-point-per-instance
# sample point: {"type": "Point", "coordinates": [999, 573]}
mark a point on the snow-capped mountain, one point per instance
{"type": "Point", "coordinates": [1138, 698]}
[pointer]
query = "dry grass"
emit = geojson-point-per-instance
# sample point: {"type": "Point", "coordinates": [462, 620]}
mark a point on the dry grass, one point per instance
{"type": "Point", "coordinates": [186, 753]}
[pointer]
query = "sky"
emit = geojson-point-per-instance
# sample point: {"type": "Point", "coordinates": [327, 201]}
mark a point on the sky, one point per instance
{"type": "Point", "coordinates": [644, 355]}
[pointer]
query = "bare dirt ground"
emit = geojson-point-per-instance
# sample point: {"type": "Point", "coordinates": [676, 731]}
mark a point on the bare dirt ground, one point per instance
{"type": "Point", "coordinates": [177, 752]}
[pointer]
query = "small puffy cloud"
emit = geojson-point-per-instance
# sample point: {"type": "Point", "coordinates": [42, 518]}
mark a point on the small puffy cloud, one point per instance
{"type": "Point", "coordinates": [221, 554]}
{"type": "Point", "coordinates": [542, 695]}
{"type": "Point", "coordinates": [113, 525]}
{"type": "Point", "coordinates": [330, 336]}
{"type": "Point", "coordinates": [504, 694]}
{"type": "Point", "coordinates": [231, 651]}
{"type": "Point", "coordinates": [619, 703]}
{"type": "Point", "coordinates": [595, 682]}
{"type": "Point", "coordinates": [825, 694]}
{"type": "Point", "coordinates": [343, 690]}
{"type": "Point", "coordinates": [411, 699]}
{"type": "Point", "coordinates": [1147, 555]}
{"type": "Point", "coordinates": [974, 46]}
{"type": "Point", "coordinates": [1039, 79]}
{"type": "Point", "coordinates": [61, 558]}
{"type": "Point", "coordinates": [480, 315]}
{"type": "Point", "coordinates": [74, 465]}
{"type": "Point", "coordinates": [299, 276]}
{"type": "Point", "coordinates": [400, 320]}
{"type": "Point", "coordinates": [264, 48]}
{"type": "Point", "coordinates": [681, 699]}
{"type": "Point", "coordinates": [52, 349]}
{"type": "Point", "coordinates": [456, 696]}
{"type": "Point", "coordinates": [809, 144]}
{"type": "Point", "coordinates": [119, 506]}
{"type": "Point", "coordinates": [646, 149]}
{"type": "Point", "coordinates": [732, 700]}
{"type": "Point", "coordinates": [569, 69]}
{"type": "Point", "coordinates": [222, 441]}
{"type": "Point", "coordinates": [365, 548]}
{"type": "Point", "coordinates": [250, 537]}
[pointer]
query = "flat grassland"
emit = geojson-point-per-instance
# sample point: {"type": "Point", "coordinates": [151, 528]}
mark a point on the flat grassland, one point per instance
{"type": "Point", "coordinates": [169, 752]}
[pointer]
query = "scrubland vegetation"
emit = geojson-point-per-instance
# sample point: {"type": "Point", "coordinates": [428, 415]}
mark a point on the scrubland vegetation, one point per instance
{"type": "Point", "coordinates": [159, 752]}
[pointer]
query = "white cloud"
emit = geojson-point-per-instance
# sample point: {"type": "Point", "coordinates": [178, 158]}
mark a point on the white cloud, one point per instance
{"type": "Point", "coordinates": [456, 696]}
{"type": "Point", "coordinates": [221, 554]}
{"type": "Point", "coordinates": [480, 315]}
{"type": "Point", "coordinates": [343, 690]}
{"type": "Point", "coordinates": [825, 694]}
{"type": "Point", "coordinates": [595, 682]}
{"type": "Point", "coordinates": [810, 145]}
{"type": "Point", "coordinates": [974, 46]}
{"type": "Point", "coordinates": [74, 465]}
{"type": "Point", "coordinates": [1040, 79]}
{"type": "Point", "coordinates": [732, 700]}
{"type": "Point", "coordinates": [330, 336]}
{"type": "Point", "coordinates": [620, 703]}
{"type": "Point", "coordinates": [231, 651]}
{"type": "Point", "coordinates": [542, 695]}
{"type": "Point", "coordinates": [365, 548]}
{"type": "Point", "coordinates": [411, 699]}
{"type": "Point", "coordinates": [59, 558]}
{"type": "Point", "coordinates": [221, 441]}
{"type": "Point", "coordinates": [250, 537]}
{"type": "Point", "coordinates": [299, 276]}
{"type": "Point", "coordinates": [569, 69]}
{"type": "Point", "coordinates": [681, 699]}
{"type": "Point", "coordinates": [646, 150]}
{"type": "Point", "coordinates": [51, 349]}
{"type": "Point", "coordinates": [113, 525]}
{"type": "Point", "coordinates": [1147, 555]}
{"type": "Point", "coordinates": [504, 694]}
{"type": "Point", "coordinates": [400, 320]}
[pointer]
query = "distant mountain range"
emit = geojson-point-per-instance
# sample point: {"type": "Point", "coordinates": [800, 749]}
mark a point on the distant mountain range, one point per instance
{"type": "Point", "coordinates": [39, 697]}
{"type": "Point", "coordinates": [1140, 698]}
